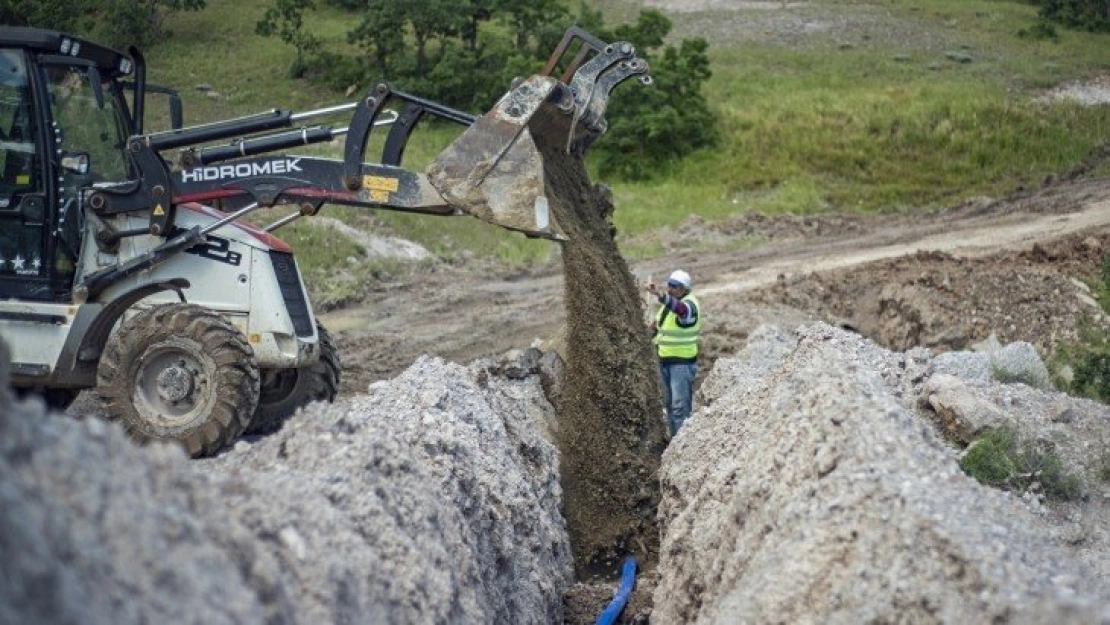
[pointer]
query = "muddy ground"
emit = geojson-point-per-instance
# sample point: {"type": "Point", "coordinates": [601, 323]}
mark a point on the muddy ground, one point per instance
{"type": "Point", "coordinates": [943, 280]}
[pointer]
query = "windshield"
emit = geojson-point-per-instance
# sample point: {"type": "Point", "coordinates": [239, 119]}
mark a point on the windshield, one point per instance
{"type": "Point", "coordinates": [18, 167]}
{"type": "Point", "coordinates": [89, 122]}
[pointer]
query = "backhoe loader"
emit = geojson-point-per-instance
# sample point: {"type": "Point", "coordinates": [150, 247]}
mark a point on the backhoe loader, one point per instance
{"type": "Point", "coordinates": [127, 264]}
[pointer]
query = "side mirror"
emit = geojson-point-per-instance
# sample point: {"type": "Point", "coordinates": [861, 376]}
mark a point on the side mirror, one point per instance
{"type": "Point", "coordinates": [76, 162]}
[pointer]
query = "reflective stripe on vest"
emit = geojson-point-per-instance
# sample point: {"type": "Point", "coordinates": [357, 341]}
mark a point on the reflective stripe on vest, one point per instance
{"type": "Point", "coordinates": [674, 341]}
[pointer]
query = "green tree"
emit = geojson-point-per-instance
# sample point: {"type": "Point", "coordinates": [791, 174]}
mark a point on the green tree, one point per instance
{"type": "Point", "coordinates": [529, 21]}
{"type": "Point", "coordinates": [381, 34]}
{"type": "Point", "coordinates": [653, 127]}
{"type": "Point", "coordinates": [385, 23]}
{"type": "Point", "coordinates": [465, 53]}
{"type": "Point", "coordinates": [1092, 15]}
{"type": "Point", "coordinates": [285, 20]}
{"type": "Point", "coordinates": [430, 20]}
{"type": "Point", "coordinates": [65, 15]}
{"type": "Point", "coordinates": [475, 13]}
{"type": "Point", "coordinates": [439, 49]}
{"type": "Point", "coordinates": [473, 80]}
{"type": "Point", "coordinates": [139, 21]}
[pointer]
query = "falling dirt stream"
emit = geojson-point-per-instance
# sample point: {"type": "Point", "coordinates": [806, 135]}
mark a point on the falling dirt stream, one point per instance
{"type": "Point", "coordinates": [611, 433]}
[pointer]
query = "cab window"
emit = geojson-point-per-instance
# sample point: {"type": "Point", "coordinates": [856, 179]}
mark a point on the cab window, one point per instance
{"type": "Point", "coordinates": [89, 124]}
{"type": "Point", "coordinates": [19, 171]}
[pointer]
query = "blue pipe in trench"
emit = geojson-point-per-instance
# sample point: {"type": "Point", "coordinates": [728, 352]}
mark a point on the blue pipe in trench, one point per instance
{"type": "Point", "coordinates": [620, 598]}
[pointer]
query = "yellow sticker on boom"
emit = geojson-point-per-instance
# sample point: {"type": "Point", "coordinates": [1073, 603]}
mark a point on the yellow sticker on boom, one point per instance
{"type": "Point", "coordinates": [380, 183]}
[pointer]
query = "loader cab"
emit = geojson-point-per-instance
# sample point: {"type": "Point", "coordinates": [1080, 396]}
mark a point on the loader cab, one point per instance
{"type": "Point", "coordinates": [64, 122]}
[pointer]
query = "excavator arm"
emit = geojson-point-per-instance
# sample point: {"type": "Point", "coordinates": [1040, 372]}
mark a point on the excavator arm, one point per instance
{"type": "Point", "coordinates": [492, 171]}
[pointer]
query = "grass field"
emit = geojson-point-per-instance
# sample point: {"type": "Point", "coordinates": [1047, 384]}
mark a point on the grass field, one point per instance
{"type": "Point", "coordinates": [927, 103]}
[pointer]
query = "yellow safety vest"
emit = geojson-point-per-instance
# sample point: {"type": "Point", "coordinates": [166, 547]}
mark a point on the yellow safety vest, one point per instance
{"type": "Point", "coordinates": [673, 340]}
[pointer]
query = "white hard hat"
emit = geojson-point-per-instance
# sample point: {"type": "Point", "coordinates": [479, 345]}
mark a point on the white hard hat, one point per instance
{"type": "Point", "coordinates": [679, 276]}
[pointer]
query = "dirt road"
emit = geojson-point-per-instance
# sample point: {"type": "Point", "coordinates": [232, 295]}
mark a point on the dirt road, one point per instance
{"type": "Point", "coordinates": [829, 267]}
{"type": "Point", "coordinates": [461, 315]}
{"type": "Point", "coordinates": [944, 280]}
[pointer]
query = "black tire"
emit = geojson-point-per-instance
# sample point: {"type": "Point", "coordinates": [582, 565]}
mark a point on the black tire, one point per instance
{"type": "Point", "coordinates": [56, 399]}
{"type": "Point", "coordinates": [286, 390]}
{"type": "Point", "coordinates": [180, 372]}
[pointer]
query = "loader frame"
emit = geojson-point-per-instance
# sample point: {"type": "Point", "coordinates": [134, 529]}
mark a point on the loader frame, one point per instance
{"type": "Point", "coordinates": [139, 247]}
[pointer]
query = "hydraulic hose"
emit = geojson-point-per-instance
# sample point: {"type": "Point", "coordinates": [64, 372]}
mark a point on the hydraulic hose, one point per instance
{"type": "Point", "coordinates": [620, 598]}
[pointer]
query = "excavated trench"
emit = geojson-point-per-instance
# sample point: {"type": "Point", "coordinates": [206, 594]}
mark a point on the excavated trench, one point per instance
{"type": "Point", "coordinates": [611, 434]}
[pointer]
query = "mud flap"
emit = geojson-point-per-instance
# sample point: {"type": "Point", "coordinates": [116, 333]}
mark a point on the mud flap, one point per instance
{"type": "Point", "coordinates": [494, 170]}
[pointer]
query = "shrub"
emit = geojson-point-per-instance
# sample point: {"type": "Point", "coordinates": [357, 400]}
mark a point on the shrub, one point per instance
{"type": "Point", "coordinates": [1092, 375]}
{"type": "Point", "coordinates": [1090, 15]}
{"type": "Point", "coordinates": [1089, 359]}
{"type": "Point", "coordinates": [1000, 459]}
{"type": "Point", "coordinates": [989, 458]}
{"type": "Point", "coordinates": [1038, 464]}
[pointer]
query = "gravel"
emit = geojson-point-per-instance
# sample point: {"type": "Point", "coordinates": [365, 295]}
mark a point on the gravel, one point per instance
{"type": "Point", "coordinates": [814, 488]}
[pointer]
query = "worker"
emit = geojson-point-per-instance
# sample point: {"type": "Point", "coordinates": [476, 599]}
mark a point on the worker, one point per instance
{"type": "Point", "coordinates": [676, 327]}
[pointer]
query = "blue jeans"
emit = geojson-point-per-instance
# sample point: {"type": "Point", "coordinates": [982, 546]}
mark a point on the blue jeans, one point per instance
{"type": "Point", "coordinates": [678, 391]}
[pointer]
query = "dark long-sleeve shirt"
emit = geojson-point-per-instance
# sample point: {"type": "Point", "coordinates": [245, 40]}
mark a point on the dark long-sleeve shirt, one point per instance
{"type": "Point", "coordinates": [684, 313]}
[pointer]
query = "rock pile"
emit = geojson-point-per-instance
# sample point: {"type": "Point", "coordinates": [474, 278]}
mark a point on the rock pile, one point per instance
{"type": "Point", "coordinates": [812, 486]}
{"type": "Point", "coordinates": [432, 498]}
{"type": "Point", "coordinates": [816, 482]}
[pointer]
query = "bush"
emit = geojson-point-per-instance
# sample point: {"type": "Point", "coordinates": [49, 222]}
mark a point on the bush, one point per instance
{"type": "Point", "coordinates": [989, 458]}
{"type": "Point", "coordinates": [653, 128]}
{"type": "Point", "coordinates": [1090, 15]}
{"type": "Point", "coordinates": [1000, 459]}
{"type": "Point", "coordinates": [1088, 361]}
{"type": "Point", "coordinates": [1092, 375]}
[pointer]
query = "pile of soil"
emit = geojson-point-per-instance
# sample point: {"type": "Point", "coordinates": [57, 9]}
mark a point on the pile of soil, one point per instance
{"type": "Point", "coordinates": [944, 302]}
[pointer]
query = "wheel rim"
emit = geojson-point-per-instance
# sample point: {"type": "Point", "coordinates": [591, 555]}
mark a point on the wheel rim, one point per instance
{"type": "Point", "coordinates": [173, 384]}
{"type": "Point", "coordinates": [277, 385]}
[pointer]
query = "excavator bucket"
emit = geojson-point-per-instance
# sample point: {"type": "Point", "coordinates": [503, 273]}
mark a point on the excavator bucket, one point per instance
{"type": "Point", "coordinates": [494, 170]}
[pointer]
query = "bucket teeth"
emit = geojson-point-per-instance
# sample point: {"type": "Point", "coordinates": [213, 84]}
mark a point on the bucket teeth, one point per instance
{"type": "Point", "coordinates": [495, 171]}
{"type": "Point", "coordinates": [584, 81]}
{"type": "Point", "coordinates": [592, 115]}
{"type": "Point", "coordinates": [586, 97]}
